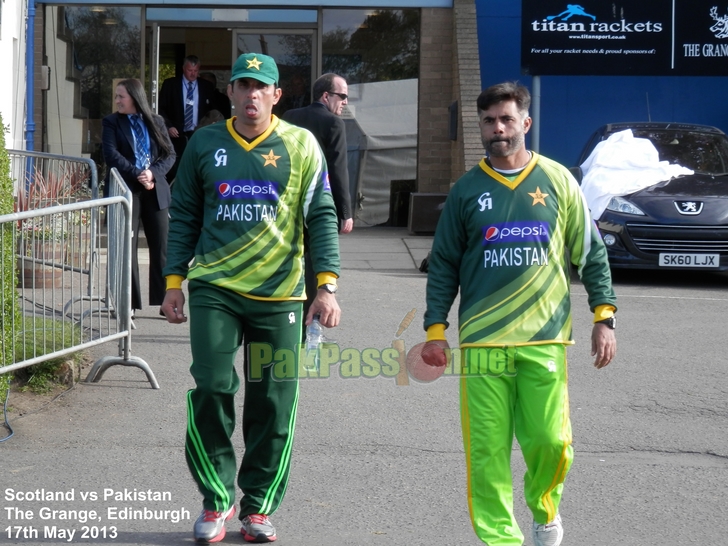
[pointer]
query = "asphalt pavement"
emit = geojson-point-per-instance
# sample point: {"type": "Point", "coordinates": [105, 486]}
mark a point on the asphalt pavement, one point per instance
{"type": "Point", "coordinates": [378, 457]}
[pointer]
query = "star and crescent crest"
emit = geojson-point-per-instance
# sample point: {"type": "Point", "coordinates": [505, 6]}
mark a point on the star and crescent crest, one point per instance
{"type": "Point", "coordinates": [538, 197]}
{"type": "Point", "coordinates": [254, 63]}
{"type": "Point", "coordinates": [270, 159]}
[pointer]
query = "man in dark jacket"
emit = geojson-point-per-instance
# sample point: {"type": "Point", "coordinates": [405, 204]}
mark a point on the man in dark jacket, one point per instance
{"type": "Point", "coordinates": [330, 93]}
{"type": "Point", "coordinates": [183, 102]}
{"type": "Point", "coordinates": [220, 101]}
{"type": "Point", "coordinates": [322, 119]}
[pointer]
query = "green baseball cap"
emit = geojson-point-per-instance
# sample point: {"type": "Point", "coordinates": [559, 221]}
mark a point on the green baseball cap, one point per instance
{"type": "Point", "coordinates": [257, 66]}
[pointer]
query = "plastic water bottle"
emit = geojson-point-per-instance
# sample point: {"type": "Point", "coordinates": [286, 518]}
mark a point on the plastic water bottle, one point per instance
{"type": "Point", "coordinates": [314, 338]}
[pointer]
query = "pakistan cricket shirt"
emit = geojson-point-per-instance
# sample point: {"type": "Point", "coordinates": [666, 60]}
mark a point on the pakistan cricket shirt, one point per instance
{"type": "Point", "coordinates": [239, 209]}
{"type": "Point", "coordinates": [504, 243]}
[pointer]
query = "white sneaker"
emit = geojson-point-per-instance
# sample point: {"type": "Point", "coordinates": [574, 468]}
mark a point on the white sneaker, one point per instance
{"type": "Point", "coordinates": [550, 534]}
{"type": "Point", "coordinates": [210, 526]}
{"type": "Point", "coordinates": [258, 528]}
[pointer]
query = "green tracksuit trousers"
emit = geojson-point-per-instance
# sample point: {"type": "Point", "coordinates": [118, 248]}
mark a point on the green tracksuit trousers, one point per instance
{"type": "Point", "coordinates": [220, 321]}
{"type": "Point", "coordinates": [521, 390]}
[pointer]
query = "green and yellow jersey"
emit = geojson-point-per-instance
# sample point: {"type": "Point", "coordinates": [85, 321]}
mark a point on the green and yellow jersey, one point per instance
{"type": "Point", "coordinates": [506, 244]}
{"type": "Point", "coordinates": [238, 211]}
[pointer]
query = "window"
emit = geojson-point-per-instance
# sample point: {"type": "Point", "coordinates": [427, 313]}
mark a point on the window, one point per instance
{"type": "Point", "coordinates": [90, 48]}
{"type": "Point", "coordinates": [106, 45]}
{"type": "Point", "coordinates": [367, 46]}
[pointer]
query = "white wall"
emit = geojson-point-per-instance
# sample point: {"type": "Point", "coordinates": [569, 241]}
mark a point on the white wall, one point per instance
{"type": "Point", "coordinates": [12, 46]}
{"type": "Point", "coordinates": [65, 133]}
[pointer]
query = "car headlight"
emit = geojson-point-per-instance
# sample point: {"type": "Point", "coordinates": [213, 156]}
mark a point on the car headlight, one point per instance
{"type": "Point", "coordinates": [618, 204]}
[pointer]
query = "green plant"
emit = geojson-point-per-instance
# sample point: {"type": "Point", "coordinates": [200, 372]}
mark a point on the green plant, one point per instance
{"type": "Point", "coordinates": [51, 184]}
{"type": "Point", "coordinates": [44, 229]}
{"type": "Point", "coordinates": [40, 337]}
{"type": "Point", "coordinates": [42, 378]}
{"type": "Point", "coordinates": [9, 310]}
{"type": "Point", "coordinates": [54, 187]}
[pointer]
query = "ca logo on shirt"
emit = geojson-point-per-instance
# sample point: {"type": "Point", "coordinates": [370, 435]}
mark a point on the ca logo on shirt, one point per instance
{"type": "Point", "coordinates": [221, 157]}
{"type": "Point", "coordinates": [485, 202]}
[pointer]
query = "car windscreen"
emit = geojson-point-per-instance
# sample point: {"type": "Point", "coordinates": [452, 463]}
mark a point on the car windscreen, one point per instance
{"type": "Point", "coordinates": [701, 152]}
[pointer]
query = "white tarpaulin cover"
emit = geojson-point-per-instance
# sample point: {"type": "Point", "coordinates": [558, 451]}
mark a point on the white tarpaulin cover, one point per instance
{"type": "Point", "coordinates": [620, 165]}
{"type": "Point", "coordinates": [385, 135]}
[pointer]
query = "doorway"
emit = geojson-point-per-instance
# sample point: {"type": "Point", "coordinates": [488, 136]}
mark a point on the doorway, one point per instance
{"type": "Point", "coordinates": [295, 52]}
{"type": "Point", "coordinates": [295, 55]}
{"type": "Point", "coordinates": [169, 45]}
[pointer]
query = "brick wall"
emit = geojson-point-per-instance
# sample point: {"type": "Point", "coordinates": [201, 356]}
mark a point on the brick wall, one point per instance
{"type": "Point", "coordinates": [470, 147]}
{"type": "Point", "coordinates": [449, 71]}
{"type": "Point", "coordinates": [434, 155]}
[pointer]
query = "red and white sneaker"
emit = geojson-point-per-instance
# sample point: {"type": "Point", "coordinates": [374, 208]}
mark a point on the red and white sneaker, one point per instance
{"type": "Point", "coordinates": [258, 528]}
{"type": "Point", "coordinates": [210, 526]}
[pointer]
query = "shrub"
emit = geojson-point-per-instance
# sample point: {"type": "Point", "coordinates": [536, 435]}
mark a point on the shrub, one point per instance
{"type": "Point", "coordinates": [9, 313]}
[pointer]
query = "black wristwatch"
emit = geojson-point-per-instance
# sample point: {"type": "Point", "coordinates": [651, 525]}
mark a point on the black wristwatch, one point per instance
{"type": "Point", "coordinates": [329, 287]}
{"type": "Point", "coordinates": [610, 322]}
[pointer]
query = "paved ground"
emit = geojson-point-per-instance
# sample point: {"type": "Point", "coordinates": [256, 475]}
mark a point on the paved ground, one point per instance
{"type": "Point", "coordinates": [376, 462]}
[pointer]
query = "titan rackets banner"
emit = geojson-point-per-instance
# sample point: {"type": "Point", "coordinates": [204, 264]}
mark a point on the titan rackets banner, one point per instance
{"type": "Point", "coordinates": [627, 38]}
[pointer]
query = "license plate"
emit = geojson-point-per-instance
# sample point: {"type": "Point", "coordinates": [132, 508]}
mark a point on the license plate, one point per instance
{"type": "Point", "coordinates": [689, 260]}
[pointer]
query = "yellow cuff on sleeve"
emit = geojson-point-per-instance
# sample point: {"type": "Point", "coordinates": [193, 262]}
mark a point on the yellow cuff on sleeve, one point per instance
{"type": "Point", "coordinates": [435, 332]}
{"type": "Point", "coordinates": [325, 277]}
{"type": "Point", "coordinates": [174, 282]}
{"type": "Point", "coordinates": [602, 312]}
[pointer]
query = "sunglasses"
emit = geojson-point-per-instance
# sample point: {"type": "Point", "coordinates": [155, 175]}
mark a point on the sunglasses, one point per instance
{"type": "Point", "coordinates": [342, 96]}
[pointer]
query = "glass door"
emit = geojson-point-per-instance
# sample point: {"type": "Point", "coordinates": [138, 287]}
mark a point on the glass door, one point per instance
{"type": "Point", "coordinates": [153, 84]}
{"type": "Point", "coordinates": [295, 54]}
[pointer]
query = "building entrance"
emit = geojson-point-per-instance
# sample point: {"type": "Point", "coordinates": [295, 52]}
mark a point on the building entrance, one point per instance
{"type": "Point", "coordinates": [217, 48]}
{"type": "Point", "coordinates": [90, 47]}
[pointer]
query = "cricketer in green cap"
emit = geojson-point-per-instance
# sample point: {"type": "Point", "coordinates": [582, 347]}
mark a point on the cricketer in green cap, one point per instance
{"type": "Point", "coordinates": [257, 66]}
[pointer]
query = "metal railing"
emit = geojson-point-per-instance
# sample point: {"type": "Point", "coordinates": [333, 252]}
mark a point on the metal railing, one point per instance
{"type": "Point", "coordinates": [118, 279]}
{"type": "Point", "coordinates": [61, 255]}
{"type": "Point", "coordinates": [58, 176]}
{"type": "Point", "coordinates": [43, 180]}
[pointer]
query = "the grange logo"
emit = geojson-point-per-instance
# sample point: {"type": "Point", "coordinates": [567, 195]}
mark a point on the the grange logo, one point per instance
{"type": "Point", "coordinates": [585, 22]}
{"type": "Point", "coordinates": [248, 189]}
{"type": "Point", "coordinates": [720, 28]}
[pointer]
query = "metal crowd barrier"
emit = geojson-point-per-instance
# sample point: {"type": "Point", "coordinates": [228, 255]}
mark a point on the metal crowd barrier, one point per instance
{"type": "Point", "coordinates": [61, 255]}
{"type": "Point", "coordinates": [118, 279]}
{"type": "Point", "coordinates": [55, 176]}
{"type": "Point", "coordinates": [43, 180]}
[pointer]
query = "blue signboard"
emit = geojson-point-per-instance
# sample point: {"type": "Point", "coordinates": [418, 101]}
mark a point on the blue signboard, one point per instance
{"type": "Point", "coordinates": [660, 37]}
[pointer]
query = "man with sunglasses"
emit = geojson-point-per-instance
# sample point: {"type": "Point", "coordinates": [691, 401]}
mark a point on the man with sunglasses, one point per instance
{"type": "Point", "coordinates": [322, 118]}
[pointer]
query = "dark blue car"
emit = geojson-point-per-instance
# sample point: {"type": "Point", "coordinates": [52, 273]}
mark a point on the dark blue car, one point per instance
{"type": "Point", "coordinates": [681, 223]}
